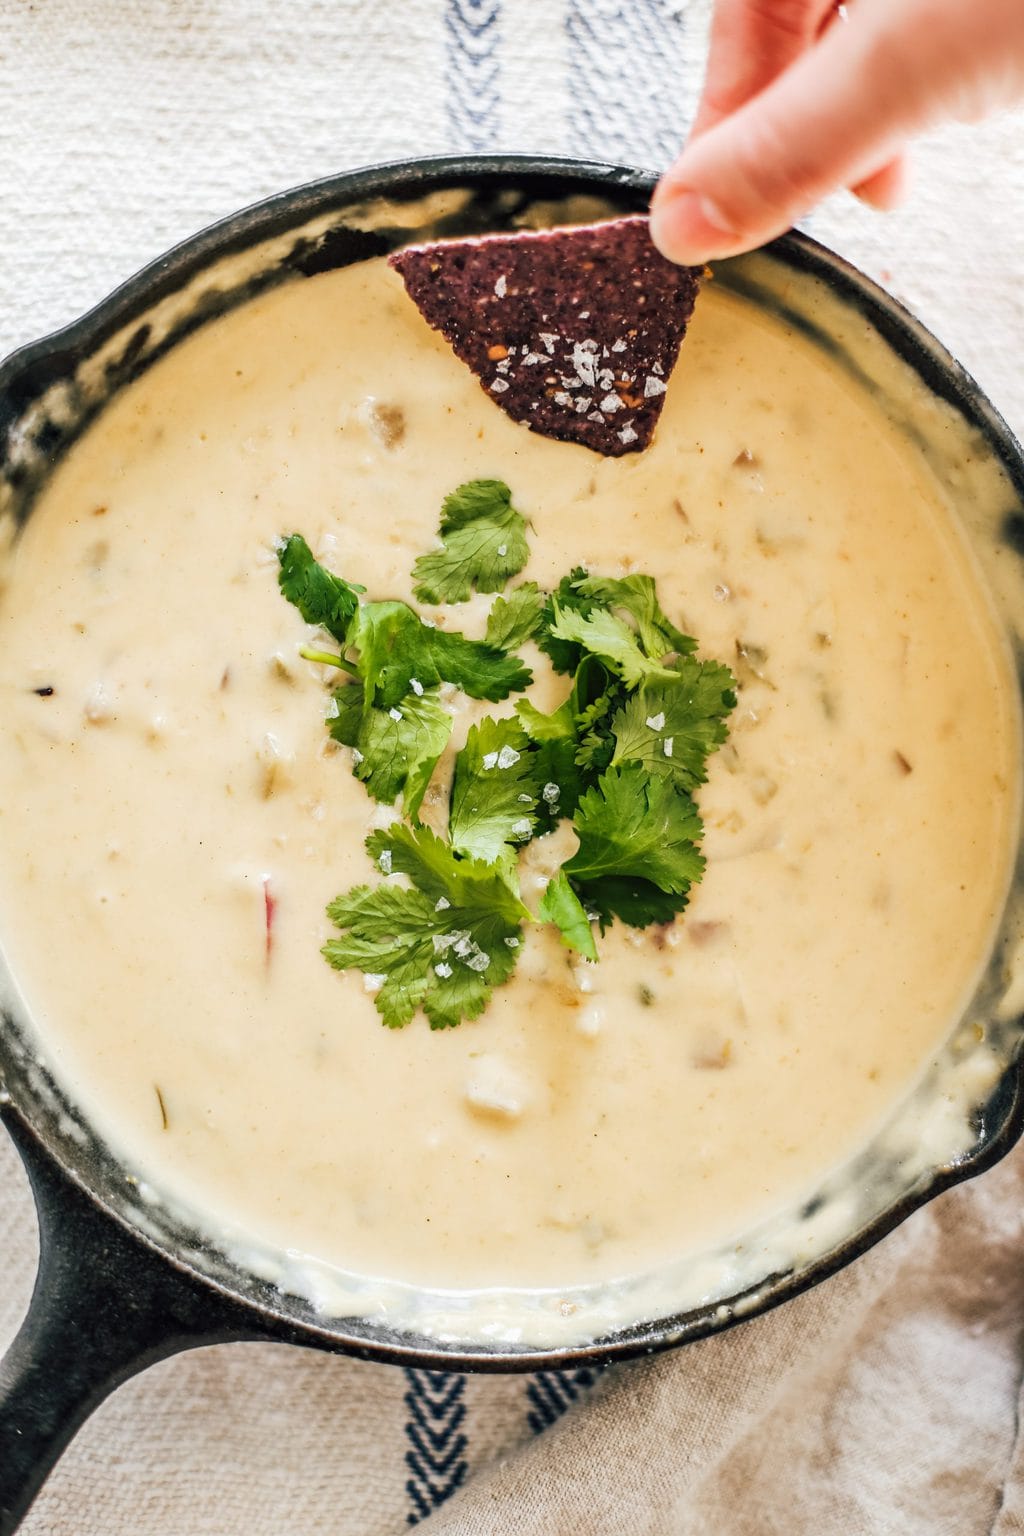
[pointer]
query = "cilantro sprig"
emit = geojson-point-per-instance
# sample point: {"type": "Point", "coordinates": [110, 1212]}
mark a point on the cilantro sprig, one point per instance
{"type": "Point", "coordinates": [621, 757]}
{"type": "Point", "coordinates": [516, 618]}
{"type": "Point", "coordinates": [483, 543]}
{"type": "Point", "coordinates": [494, 792]}
{"type": "Point", "coordinates": [395, 723]}
{"type": "Point", "coordinates": [441, 945]}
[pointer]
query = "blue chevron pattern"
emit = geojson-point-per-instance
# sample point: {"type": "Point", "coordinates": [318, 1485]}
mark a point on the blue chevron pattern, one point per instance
{"type": "Point", "coordinates": [550, 1393]}
{"type": "Point", "coordinates": [628, 104]}
{"type": "Point", "coordinates": [436, 1458]}
{"type": "Point", "coordinates": [472, 36]}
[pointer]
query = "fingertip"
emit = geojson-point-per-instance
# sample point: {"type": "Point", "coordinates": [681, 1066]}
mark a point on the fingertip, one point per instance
{"type": "Point", "coordinates": [689, 228]}
{"type": "Point", "coordinates": [887, 188]}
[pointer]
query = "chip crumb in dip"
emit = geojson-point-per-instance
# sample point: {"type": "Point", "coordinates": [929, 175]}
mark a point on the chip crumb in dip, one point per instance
{"type": "Point", "coordinates": [174, 818]}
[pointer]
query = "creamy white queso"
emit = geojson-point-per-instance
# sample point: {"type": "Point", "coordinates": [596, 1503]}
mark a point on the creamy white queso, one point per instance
{"type": "Point", "coordinates": [598, 1120]}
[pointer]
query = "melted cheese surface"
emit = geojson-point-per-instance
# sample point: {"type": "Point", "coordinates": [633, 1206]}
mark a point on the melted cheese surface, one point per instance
{"type": "Point", "coordinates": [596, 1121]}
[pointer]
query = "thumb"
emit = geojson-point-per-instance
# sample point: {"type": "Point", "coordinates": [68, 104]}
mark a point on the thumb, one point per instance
{"type": "Point", "coordinates": [837, 114]}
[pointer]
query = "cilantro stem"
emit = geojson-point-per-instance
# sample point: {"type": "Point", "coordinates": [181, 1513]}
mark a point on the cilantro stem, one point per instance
{"type": "Point", "coordinates": [326, 659]}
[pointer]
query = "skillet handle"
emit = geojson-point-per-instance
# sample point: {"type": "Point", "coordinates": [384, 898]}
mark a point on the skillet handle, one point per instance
{"type": "Point", "coordinates": [104, 1307]}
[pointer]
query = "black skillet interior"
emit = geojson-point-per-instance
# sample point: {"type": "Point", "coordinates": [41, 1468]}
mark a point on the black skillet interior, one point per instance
{"type": "Point", "coordinates": [115, 1291]}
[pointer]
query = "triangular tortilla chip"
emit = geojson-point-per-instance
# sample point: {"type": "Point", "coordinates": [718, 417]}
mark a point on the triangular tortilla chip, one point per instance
{"type": "Point", "coordinates": [573, 332]}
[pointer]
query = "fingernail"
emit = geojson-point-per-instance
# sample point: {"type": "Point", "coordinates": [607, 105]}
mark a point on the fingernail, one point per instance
{"type": "Point", "coordinates": [690, 228]}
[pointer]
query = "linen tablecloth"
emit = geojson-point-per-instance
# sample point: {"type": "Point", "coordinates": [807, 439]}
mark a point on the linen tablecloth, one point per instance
{"type": "Point", "coordinates": [887, 1399]}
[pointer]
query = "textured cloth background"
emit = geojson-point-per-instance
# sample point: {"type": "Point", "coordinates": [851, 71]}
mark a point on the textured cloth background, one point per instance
{"type": "Point", "coordinates": [886, 1400]}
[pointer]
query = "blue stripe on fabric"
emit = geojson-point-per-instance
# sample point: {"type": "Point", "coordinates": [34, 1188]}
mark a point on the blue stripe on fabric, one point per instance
{"type": "Point", "coordinates": [551, 1393]}
{"type": "Point", "coordinates": [627, 97]}
{"type": "Point", "coordinates": [436, 1458]}
{"type": "Point", "coordinates": [472, 73]}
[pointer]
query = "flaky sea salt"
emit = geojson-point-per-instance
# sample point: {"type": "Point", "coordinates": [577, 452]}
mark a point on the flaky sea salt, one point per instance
{"type": "Point", "coordinates": [507, 756]}
{"type": "Point", "coordinates": [583, 360]}
{"type": "Point", "coordinates": [656, 722]}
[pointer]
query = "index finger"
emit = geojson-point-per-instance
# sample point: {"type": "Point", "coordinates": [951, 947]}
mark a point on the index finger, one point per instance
{"type": "Point", "coordinates": [752, 42]}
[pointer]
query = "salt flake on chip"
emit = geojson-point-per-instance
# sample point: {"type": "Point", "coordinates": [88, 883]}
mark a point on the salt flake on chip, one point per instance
{"type": "Point", "coordinates": [506, 303]}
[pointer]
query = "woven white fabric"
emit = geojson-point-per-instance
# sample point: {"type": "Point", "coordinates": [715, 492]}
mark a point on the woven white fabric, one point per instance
{"type": "Point", "coordinates": [886, 1400]}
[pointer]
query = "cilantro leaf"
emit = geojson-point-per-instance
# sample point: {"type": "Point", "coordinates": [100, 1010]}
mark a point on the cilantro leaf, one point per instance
{"type": "Point", "coordinates": [345, 715]}
{"type": "Point", "coordinates": [477, 668]}
{"type": "Point", "coordinates": [632, 900]}
{"type": "Point", "coordinates": [583, 614]}
{"type": "Point", "coordinates": [594, 753]}
{"type": "Point", "coordinates": [444, 962]}
{"type": "Point", "coordinates": [395, 751]}
{"type": "Point", "coordinates": [441, 946]}
{"type": "Point", "coordinates": [321, 598]}
{"type": "Point", "coordinates": [494, 791]}
{"type": "Point", "coordinates": [560, 905]}
{"type": "Point", "coordinates": [392, 651]}
{"type": "Point", "coordinates": [574, 743]}
{"type": "Point", "coordinates": [637, 595]}
{"type": "Point", "coordinates": [603, 634]}
{"type": "Point", "coordinates": [515, 618]}
{"type": "Point", "coordinates": [399, 654]}
{"type": "Point", "coordinates": [555, 742]}
{"type": "Point", "coordinates": [597, 693]}
{"type": "Point", "coordinates": [631, 823]}
{"type": "Point", "coordinates": [564, 654]}
{"type": "Point", "coordinates": [388, 934]}
{"type": "Point", "coordinates": [673, 728]}
{"type": "Point", "coordinates": [483, 544]}
{"type": "Point", "coordinates": [436, 870]}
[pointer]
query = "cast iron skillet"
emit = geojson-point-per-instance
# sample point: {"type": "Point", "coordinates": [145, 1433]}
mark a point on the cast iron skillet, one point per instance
{"type": "Point", "coordinates": [120, 1287]}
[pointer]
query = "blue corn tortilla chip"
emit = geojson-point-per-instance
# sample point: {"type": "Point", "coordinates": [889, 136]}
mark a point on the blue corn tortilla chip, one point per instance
{"type": "Point", "coordinates": [573, 332]}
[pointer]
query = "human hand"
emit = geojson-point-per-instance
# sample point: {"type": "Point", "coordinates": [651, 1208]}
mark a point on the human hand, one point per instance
{"type": "Point", "coordinates": [802, 97]}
